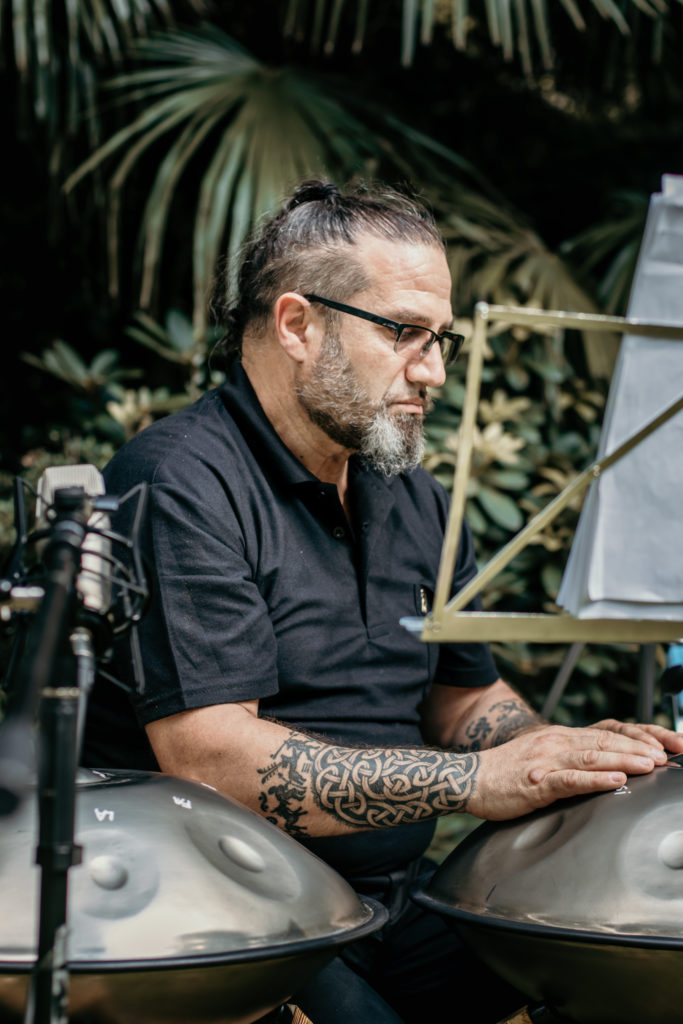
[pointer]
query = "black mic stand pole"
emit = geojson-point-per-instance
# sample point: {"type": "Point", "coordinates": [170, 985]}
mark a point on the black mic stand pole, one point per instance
{"type": "Point", "coordinates": [49, 681]}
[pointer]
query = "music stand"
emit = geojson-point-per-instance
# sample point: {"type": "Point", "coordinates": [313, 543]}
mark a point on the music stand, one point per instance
{"type": "Point", "coordinates": [447, 621]}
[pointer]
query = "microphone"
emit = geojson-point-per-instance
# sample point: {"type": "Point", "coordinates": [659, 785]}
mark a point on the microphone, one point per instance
{"type": "Point", "coordinates": [80, 560]}
{"type": "Point", "coordinates": [94, 580]}
{"type": "Point", "coordinates": [73, 539]}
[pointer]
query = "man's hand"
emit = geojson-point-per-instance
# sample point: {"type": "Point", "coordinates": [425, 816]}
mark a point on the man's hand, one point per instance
{"type": "Point", "coordinates": [656, 735]}
{"type": "Point", "coordinates": [551, 762]}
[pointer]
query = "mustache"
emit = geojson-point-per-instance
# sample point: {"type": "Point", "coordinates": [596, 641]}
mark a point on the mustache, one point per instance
{"type": "Point", "coordinates": [421, 397]}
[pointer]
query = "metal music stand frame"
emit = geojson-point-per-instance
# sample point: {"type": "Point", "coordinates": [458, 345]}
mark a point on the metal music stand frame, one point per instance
{"type": "Point", "coordinates": [447, 622]}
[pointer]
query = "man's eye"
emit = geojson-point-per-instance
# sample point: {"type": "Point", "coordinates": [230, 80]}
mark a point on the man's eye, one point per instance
{"type": "Point", "coordinates": [414, 336]}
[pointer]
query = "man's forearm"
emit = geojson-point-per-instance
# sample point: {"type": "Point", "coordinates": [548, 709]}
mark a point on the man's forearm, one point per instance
{"type": "Point", "coordinates": [496, 723]}
{"type": "Point", "coordinates": [313, 788]}
{"type": "Point", "coordinates": [362, 788]}
{"type": "Point", "coordinates": [304, 784]}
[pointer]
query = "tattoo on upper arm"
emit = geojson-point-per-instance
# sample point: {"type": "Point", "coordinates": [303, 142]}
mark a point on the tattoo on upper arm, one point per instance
{"type": "Point", "coordinates": [503, 720]}
{"type": "Point", "coordinates": [363, 788]}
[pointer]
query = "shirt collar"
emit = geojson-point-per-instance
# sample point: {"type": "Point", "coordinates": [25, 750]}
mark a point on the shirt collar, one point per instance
{"type": "Point", "coordinates": [242, 403]}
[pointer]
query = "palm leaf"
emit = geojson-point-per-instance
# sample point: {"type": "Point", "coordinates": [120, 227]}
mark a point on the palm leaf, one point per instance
{"type": "Point", "coordinates": [508, 22]}
{"type": "Point", "coordinates": [608, 250]}
{"type": "Point", "coordinates": [250, 133]}
{"type": "Point", "coordinates": [258, 130]}
{"type": "Point", "coordinates": [55, 64]}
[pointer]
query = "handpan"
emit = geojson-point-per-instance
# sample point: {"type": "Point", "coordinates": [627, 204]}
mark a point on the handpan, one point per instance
{"type": "Point", "coordinates": [579, 905]}
{"type": "Point", "coordinates": [187, 906]}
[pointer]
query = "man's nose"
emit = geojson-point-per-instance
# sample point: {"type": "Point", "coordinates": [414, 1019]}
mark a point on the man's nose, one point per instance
{"type": "Point", "coordinates": [428, 370]}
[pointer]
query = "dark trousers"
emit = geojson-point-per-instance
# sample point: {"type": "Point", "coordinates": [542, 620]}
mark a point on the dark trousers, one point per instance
{"type": "Point", "coordinates": [415, 970]}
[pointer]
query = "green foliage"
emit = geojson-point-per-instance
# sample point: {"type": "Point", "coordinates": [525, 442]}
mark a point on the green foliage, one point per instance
{"type": "Point", "coordinates": [608, 251]}
{"type": "Point", "coordinates": [517, 30]}
{"type": "Point", "coordinates": [64, 362]}
{"type": "Point", "coordinates": [58, 46]}
{"type": "Point", "coordinates": [97, 404]}
{"type": "Point", "coordinates": [177, 343]}
{"type": "Point", "coordinates": [248, 132]}
{"type": "Point", "coordinates": [90, 388]}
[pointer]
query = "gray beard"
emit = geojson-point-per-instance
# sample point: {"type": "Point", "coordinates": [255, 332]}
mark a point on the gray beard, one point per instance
{"type": "Point", "coordinates": [336, 401]}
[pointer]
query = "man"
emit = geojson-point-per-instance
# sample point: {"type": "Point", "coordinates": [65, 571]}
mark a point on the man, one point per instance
{"type": "Point", "coordinates": [289, 530]}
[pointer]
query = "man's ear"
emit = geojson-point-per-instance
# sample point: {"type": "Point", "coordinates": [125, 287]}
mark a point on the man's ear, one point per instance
{"type": "Point", "coordinates": [294, 326]}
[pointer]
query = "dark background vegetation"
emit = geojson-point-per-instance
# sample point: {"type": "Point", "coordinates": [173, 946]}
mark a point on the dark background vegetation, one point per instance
{"type": "Point", "coordinates": [563, 158]}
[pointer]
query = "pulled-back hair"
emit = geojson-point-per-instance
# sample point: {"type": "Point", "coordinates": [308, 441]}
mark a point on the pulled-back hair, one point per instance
{"type": "Point", "coordinates": [305, 247]}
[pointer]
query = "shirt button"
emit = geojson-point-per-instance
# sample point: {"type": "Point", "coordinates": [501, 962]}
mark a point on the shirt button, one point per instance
{"type": "Point", "coordinates": [338, 532]}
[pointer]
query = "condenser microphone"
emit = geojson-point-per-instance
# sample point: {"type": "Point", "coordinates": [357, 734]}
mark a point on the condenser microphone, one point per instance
{"type": "Point", "coordinates": [94, 580]}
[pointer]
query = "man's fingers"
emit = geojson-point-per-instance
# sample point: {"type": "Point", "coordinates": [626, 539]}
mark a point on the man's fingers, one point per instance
{"type": "Point", "coordinates": [670, 740]}
{"type": "Point", "coordinates": [591, 760]}
{"type": "Point", "coordinates": [635, 730]}
{"type": "Point", "coordinates": [569, 782]}
{"type": "Point", "coordinates": [597, 739]}
{"type": "Point", "coordinates": [655, 734]}
{"type": "Point", "coordinates": [534, 769]}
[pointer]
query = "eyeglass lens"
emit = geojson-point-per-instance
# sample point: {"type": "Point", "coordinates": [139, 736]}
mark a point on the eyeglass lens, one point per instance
{"type": "Point", "coordinates": [414, 339]}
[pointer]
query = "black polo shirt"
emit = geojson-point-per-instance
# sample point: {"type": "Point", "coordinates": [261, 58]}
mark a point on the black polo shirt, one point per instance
{"type": "Point", "coordinates": [262, 589]}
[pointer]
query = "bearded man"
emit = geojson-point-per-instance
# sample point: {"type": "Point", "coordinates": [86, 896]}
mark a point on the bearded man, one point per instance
{"type": "Point", "coordinates": [289, 529]}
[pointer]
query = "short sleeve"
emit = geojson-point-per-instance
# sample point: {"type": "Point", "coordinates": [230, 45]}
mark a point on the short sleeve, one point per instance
{"type": "Point", "coordinates": [206, 637]}
{"type": "Point", "coordinates": [464, 664]}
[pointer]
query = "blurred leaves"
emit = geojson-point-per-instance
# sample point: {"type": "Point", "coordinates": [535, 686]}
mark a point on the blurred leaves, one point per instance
{"type": "Point", "coordinates": [176, 343]}
{"type": "Point", "coordinates": [254, 131]}
{"type": "Point", "coordinates": [58, 46]}
{"type": "Point", "coordinates": [100, 405]}
{"type": "Point", "coordinates": [64, 362]}
{"type": "Point", "coordinates": [607, 251]}
{"type": "Point", "coordinates": [206, 111]}
{"type": "Point", "coordinates": [521, 29]}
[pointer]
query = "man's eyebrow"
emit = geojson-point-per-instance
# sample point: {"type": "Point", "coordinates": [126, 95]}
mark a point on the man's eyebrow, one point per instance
{"type": "Point", "coordinates": [409, 316]}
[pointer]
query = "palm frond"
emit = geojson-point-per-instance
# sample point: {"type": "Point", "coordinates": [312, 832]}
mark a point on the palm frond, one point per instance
{"type": "Point", "coordinates": [250, 132]}
{"type": "Point", "coordinates": [55, 66]}
{"type": "Point", "coordinates": [608, 251]}
{"type": "Point", "coordinates": [520, 26]}
{"type": "Point", "coordinates": [258, 130]}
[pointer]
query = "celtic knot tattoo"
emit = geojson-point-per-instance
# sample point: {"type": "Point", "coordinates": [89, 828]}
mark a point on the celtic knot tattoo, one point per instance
{"type": "Point", "coordinates": [364, 788]}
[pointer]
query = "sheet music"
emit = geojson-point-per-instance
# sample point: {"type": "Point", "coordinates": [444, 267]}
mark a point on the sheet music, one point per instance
{"type": "Point", "coordinates": [627, 557]}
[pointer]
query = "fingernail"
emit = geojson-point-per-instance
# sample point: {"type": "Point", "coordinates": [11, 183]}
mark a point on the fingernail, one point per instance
{"type": "Point", "coordinates": [660, 756]}
{"type": "Point", "coordinates": [618, 779]}
{"type": "Point", "coordinates": [645, 762]}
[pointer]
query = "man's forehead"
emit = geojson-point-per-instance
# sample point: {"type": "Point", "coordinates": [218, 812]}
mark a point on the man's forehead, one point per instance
{"type": "Point", "coordinates": [407, 272]}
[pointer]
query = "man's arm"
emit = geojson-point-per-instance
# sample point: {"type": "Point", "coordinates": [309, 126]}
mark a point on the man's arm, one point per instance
{"type": "Point", "coordinates": [475, 718]}
{"type": "Point", "coordinates": [310, 787]}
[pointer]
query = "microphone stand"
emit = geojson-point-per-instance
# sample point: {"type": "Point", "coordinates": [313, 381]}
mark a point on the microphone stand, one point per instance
{"type": "Point", "coordinates": [52, 671]}
{"type": "Point", "coordinates": [48, 681]}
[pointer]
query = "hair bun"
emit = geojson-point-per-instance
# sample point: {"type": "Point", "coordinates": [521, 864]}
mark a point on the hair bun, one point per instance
{"type": "Point", "coordinates": [312, 192]}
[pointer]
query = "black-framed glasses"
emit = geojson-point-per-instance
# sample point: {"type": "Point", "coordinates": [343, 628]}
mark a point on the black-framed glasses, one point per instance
{"type": "Point", "coordinates": [411, 340]}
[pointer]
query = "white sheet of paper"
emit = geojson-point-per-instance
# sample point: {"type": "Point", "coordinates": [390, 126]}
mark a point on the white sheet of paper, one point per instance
{"type": "Point", "coordinates": [627, 557]}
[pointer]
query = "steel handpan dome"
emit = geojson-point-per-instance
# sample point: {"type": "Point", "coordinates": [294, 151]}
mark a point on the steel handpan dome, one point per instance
{"type": "Point", "coordinates": [579, 905]}
{"type": "Point", "coordinates": [187, 905]}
